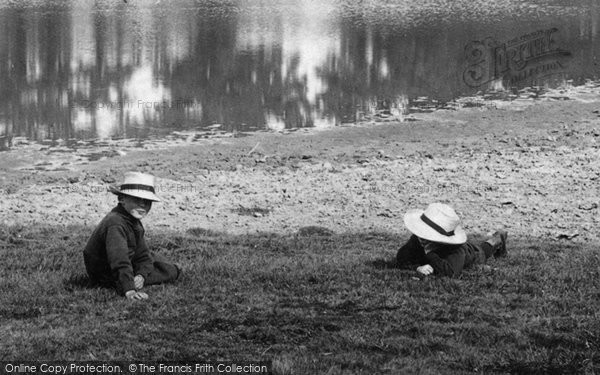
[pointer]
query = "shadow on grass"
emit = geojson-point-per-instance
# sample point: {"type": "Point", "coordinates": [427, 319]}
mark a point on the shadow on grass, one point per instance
{"type": "Point", "coordinates": [384, 264]}
{"type": "Point", "coordinates": [573, 364]}
{"type": "Point", "coordinates": [78, 281]}
{"type": "Point", "coordinates": [310, 301]}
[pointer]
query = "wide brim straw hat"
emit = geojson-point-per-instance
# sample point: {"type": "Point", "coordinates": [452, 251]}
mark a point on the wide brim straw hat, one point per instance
{"type": "Point", "coordinates": [438, 223]}
{"type": "Point", "coordinates": [136, 184]}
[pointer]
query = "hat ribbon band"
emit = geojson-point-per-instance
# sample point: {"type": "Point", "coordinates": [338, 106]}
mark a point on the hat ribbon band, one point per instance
{"type": "Point", "coordinates": [137, 187]}
{"type": "Point", "coordinates": [436, 227]}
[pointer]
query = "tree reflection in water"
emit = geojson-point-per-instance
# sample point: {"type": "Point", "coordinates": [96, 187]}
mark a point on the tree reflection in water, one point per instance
{"type": "Point", "coordinates": [92, 69]}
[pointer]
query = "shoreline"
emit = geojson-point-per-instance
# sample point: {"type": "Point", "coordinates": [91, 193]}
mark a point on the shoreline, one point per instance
{"type": "Point", "coordinates": [531, 169]}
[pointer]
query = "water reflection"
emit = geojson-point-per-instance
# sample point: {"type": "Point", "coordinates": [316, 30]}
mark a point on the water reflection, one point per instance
{"type": "Point", "coordinates": [98, 69]}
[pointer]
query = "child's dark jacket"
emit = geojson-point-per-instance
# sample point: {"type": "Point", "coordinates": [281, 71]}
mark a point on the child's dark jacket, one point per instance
{"type": "Point", "coordinates": [117, 251]}
{"type": "Point", "coordinates": [447, 260]}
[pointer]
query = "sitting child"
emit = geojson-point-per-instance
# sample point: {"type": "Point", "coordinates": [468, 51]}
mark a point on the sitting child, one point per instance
{"type": "Point", "coordinates": [116, 254]}
{"type": "Point", "coordinates": [439, 245]}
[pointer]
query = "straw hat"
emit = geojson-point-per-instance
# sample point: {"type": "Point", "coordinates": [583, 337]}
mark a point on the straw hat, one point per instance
{"type": "Point", "coordinates": [136, 184]}
{"type": "Point", "coordinates": [438, 223]}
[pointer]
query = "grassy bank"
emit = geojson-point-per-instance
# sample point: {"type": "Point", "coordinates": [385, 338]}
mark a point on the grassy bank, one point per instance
{"type": "Point", "coordinates": [311, 302]}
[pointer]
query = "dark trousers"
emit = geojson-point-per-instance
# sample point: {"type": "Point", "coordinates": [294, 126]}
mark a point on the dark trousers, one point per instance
{"type": "Point", "coordinates": [163, 271]}
{"type": "Point", "coordinates": [488, 249]}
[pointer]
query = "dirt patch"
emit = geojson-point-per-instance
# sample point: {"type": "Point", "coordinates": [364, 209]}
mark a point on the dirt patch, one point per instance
{"type": "Point", "coordinates": [532, 169]}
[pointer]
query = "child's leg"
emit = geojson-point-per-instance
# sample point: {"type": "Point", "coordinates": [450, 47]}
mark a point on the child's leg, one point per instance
{"type": "Point", "coordinates": [163, 271]}
{"type": "Point", "coordinates": [487, 249]}
{"type": "Point", "coordinates": [496, 245]}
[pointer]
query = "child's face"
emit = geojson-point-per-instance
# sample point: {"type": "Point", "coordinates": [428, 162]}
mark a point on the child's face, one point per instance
{"type": "Point", "coordinates": [137, 207]}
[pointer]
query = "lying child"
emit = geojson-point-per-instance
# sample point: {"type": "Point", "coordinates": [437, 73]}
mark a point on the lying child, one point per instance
{"type": "Point", "coordinates": [439, 244]}
{"type": "Point", "coordinates": [116, 255]}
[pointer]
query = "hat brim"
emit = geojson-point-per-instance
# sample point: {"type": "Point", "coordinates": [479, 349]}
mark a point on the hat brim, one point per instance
{"type": "Point", "coordinates": [413, 222]}
{"type": "Point", "coordinates": [144, 194]}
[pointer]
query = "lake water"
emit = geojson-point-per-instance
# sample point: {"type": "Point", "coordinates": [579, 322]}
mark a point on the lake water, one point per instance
{"type": "Point", "coordinates": [137, 69]}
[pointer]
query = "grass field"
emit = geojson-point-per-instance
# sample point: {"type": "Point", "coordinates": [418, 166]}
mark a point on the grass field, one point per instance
{"type": "Point", "coordinates": [313, 302]}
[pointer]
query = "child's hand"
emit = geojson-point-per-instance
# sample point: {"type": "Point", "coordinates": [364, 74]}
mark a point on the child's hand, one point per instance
{"type": "Point", "coordinates": [425, 270]}
{"type": "Point", "coordinates": [135, 295]}
{"type": "Point", "coordinates": [138, 281]}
